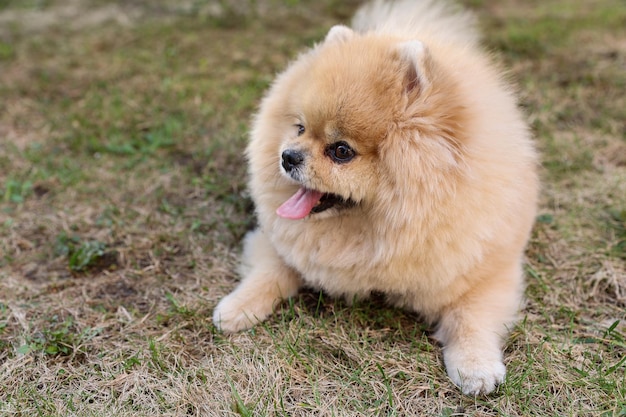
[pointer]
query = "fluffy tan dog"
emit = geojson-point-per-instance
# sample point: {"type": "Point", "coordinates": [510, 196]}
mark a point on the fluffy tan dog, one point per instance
{"type": "Point", "coordinates": [392, 157]}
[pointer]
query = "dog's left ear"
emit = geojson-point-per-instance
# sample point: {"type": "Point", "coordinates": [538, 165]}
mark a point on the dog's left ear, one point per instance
{"type": "Point", "coordinates": [339, 33]}
{"type": "Point", "coordinates": [417, 58]}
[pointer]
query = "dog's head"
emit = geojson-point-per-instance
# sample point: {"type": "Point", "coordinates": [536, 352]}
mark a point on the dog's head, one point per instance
{"type": "Point", "coordinates": [356, 103]}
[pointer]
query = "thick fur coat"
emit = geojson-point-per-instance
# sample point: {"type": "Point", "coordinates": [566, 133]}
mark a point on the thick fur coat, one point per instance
{"type": "Point", "coordinates": [392, 157]}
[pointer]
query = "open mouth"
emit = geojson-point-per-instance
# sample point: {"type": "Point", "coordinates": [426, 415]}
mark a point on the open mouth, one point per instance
{"type": "Point", "coordinates": [329, 200]}
{"type": "Point", "coordinates": [305, 202]}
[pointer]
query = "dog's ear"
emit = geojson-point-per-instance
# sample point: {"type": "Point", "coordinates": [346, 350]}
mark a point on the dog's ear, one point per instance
{"type": "Point", "coordinates": [339, 33]}
{"type": "Point", "coordinates": [417, 60]}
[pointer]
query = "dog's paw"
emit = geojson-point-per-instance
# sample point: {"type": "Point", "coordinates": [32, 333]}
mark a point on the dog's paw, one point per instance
{"type": "Point", "coordinates": [474, 374]}
{"type": "Point", "coordinates": [234, 314]}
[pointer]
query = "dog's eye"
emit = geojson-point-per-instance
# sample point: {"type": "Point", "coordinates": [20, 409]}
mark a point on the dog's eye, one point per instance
{"type": "Point", "coordinates": [340, 152]}
{"type": "Point", "coordinates": [300, 129]}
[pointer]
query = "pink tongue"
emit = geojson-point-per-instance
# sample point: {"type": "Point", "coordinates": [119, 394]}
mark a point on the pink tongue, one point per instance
{"type": "Point", "coordinates": [299, 205]}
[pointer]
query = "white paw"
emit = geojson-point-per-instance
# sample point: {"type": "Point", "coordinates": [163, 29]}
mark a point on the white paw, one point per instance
{"type": "Point", "coordinates": [234, 314]}
{"type": "Point", "coordinates": [474, 374]}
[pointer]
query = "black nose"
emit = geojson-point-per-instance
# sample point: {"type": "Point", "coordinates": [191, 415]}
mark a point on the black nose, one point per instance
{"type": "Point", "coordinates": [292, 159]}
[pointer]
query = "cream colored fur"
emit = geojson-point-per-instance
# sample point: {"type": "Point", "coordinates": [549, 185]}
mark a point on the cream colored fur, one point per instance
{"type": "Point", "coordinates": [444, 179]}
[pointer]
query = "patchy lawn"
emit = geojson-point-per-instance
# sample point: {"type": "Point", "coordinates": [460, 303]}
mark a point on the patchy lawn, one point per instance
{"type": "Point", "coordinates": [123, 201]}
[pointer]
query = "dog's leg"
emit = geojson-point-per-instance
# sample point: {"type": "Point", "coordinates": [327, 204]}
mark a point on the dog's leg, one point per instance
{"type": "Point", "coordinates": [266, 281]}
{"type": "Point", "coordinates": [472, 331]}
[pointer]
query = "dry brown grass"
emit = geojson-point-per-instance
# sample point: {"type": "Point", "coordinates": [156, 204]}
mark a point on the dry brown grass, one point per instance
{"type": "Point", "coordinates": [124, 136]}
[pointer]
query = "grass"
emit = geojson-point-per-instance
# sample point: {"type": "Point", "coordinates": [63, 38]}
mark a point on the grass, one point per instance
{"type": "Point", "coordinates": [123, 202]}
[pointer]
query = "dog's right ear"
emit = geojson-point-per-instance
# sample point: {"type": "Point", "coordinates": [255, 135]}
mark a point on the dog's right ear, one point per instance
{"type": "Point", "coordinates": [339, 33]}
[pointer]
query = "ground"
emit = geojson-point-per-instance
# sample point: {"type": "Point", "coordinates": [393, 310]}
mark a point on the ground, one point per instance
{"type": "Point", "coordinates": [123, 203]}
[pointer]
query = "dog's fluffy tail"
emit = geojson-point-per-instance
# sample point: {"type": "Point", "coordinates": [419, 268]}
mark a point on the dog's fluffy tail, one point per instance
{"type": "Point", "coordinates": [418, 18]}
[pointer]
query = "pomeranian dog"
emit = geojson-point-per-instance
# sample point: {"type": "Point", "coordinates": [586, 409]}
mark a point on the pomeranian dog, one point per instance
{"type": "Point", "coordinates": [392, 157]}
